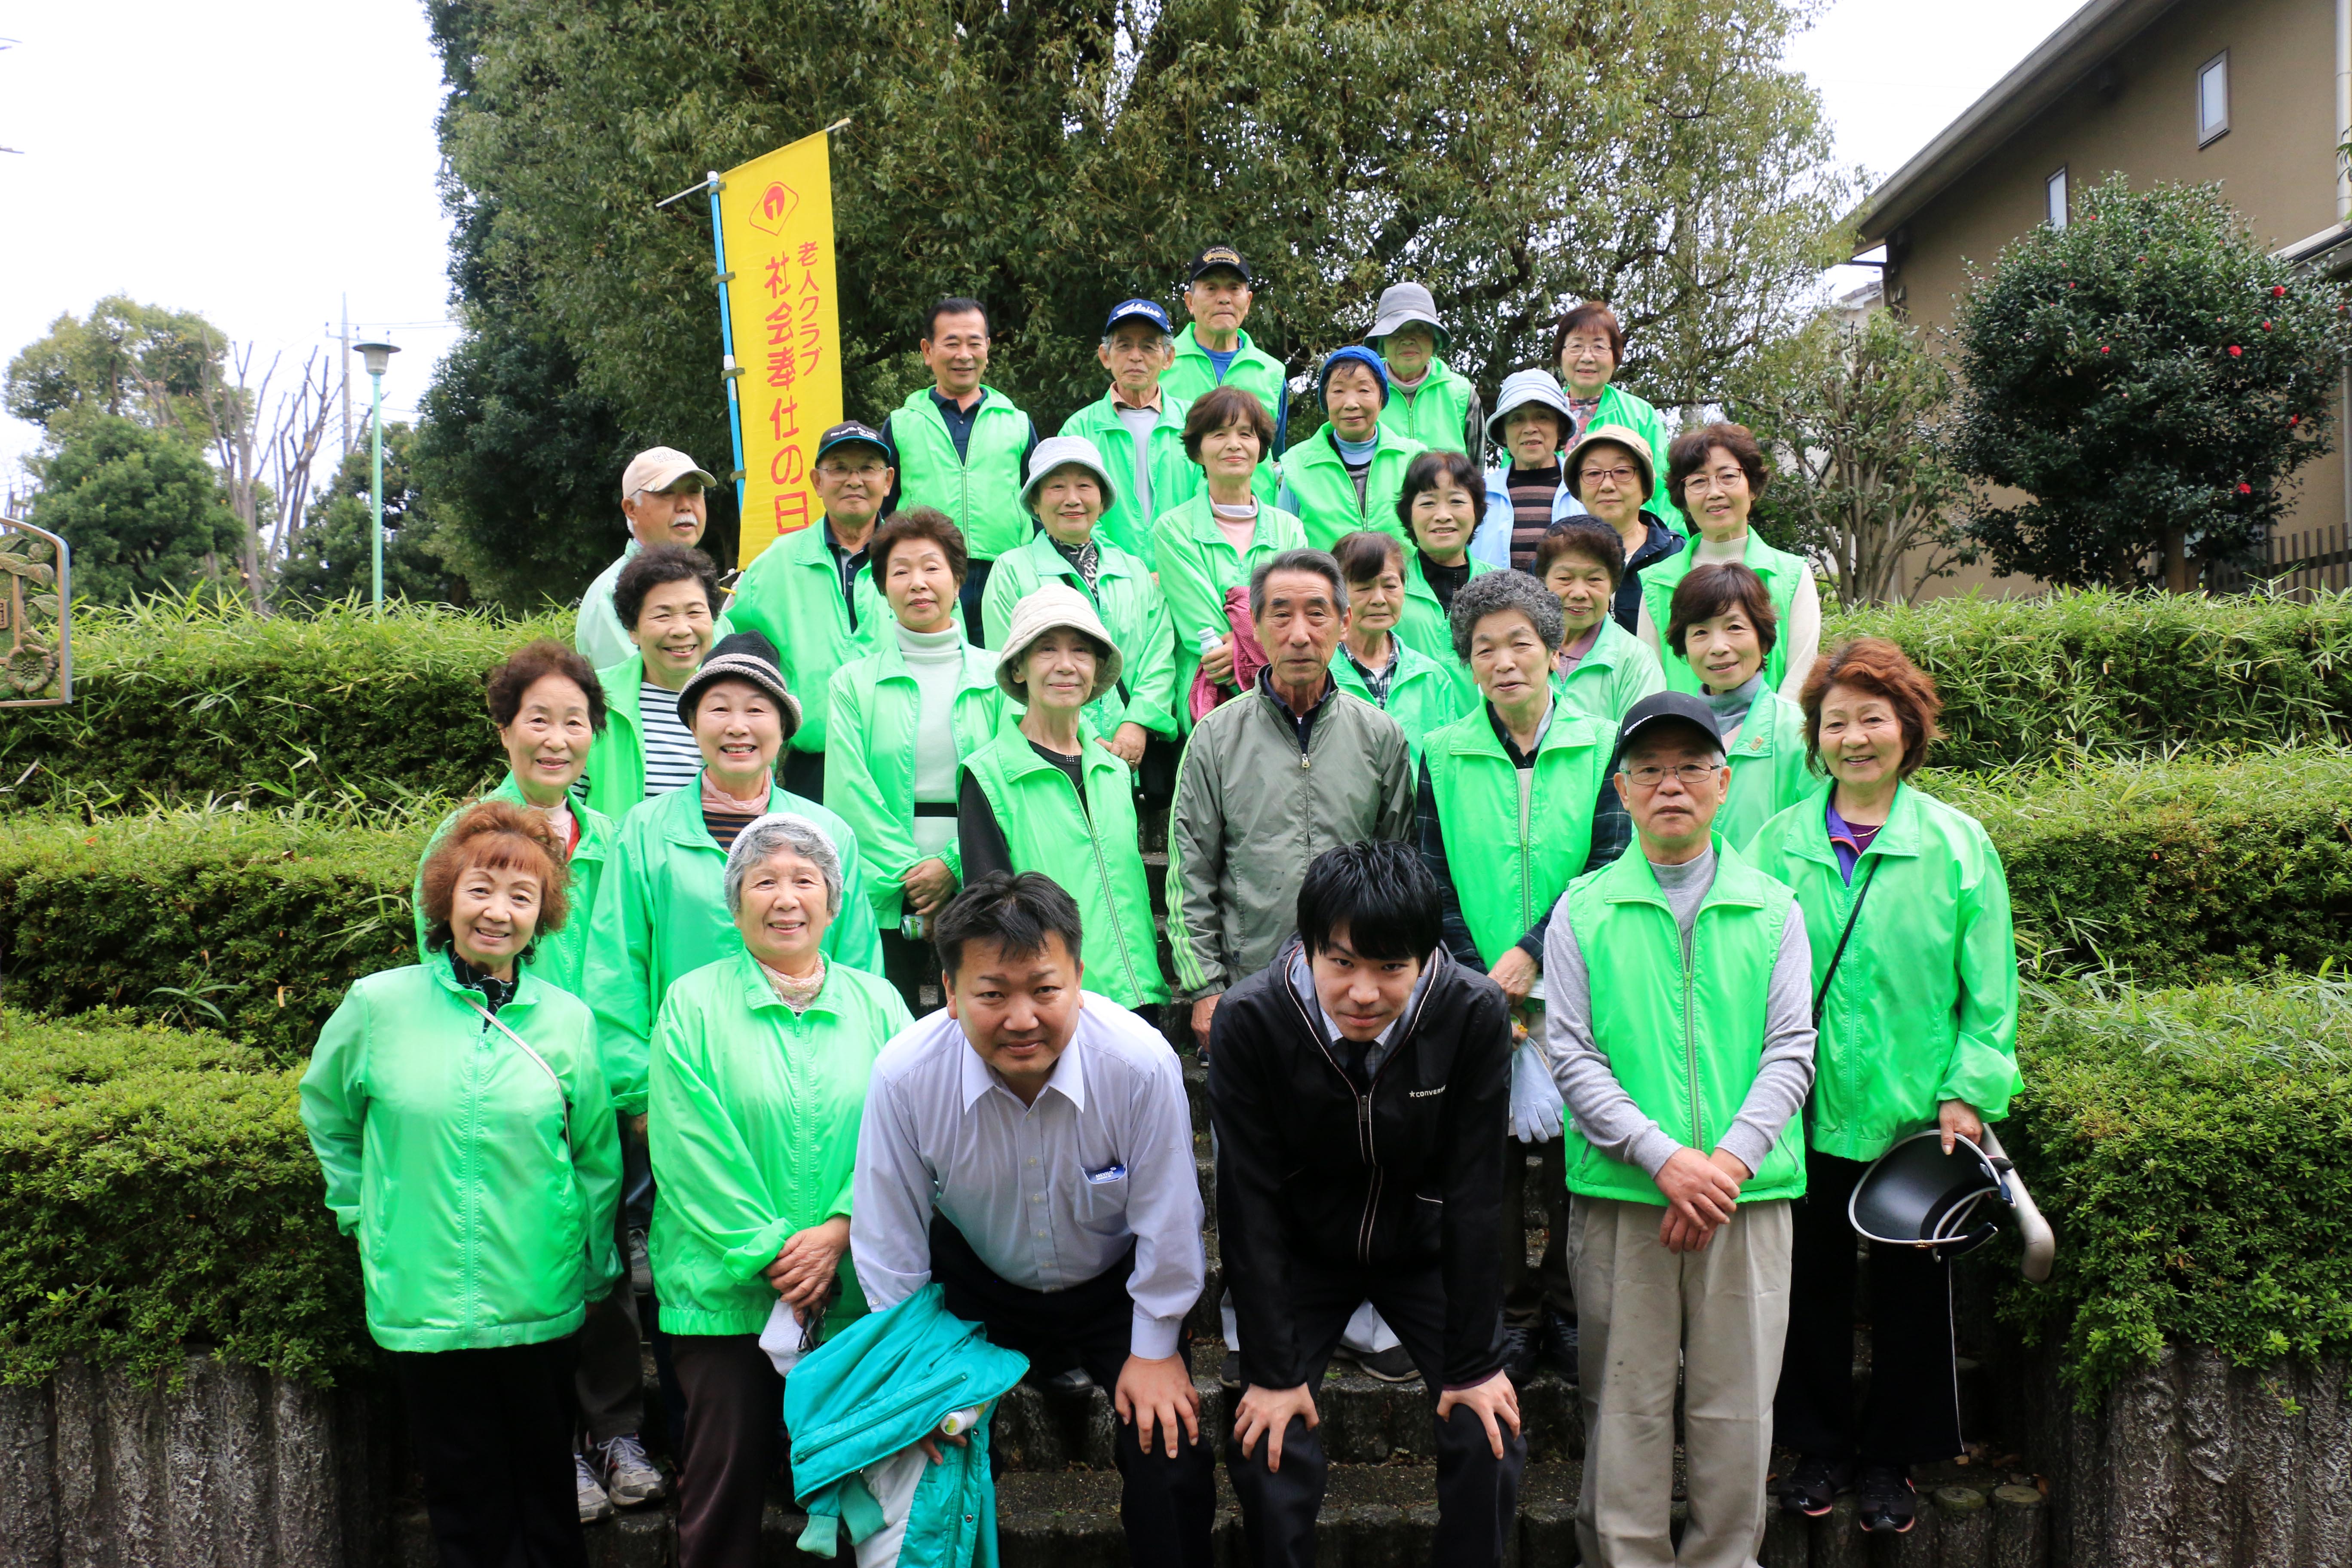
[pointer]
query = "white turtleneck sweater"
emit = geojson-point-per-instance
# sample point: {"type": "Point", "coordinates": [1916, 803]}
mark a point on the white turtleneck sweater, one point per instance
{"type": "Point", "coordinates": [936, 662]}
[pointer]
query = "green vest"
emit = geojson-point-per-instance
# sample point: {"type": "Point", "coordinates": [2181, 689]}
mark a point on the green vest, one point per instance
{"type": "Point", "coordinates": [1317, 482]}
{"type": "Point", "coordinates": [1175, 478]}
{"type": "Point", "coordinates": [1617, 671]}
{"type": "Point", "coordinates": [1782, 572]}
{"type": "Point", "coordinates": [559, 957]}
{"type": "Point", "coordinates": [1424, 697]}
{"type": "Point", "coordinates": [1193, 373]}
{"type": "Point", "coordinates": [1427, 627]}
{"type": "Point", "coordinates": [791, 594]}
{"type": "Point", "coordinates": [980, 491]}
{"type": "Point", "coordinates": [1133, 611]}
{"type": "Point", "coordinates": [1196, 567]}
{"type": "Point", "coordinates": [1514, 838]}
{"type": "Point", "coordinates": [1093, 854]}
{"type": "Point", "coordinates": [1683, 1039]}
{"type": "Point", "coordinates": [1768, 771]}
{"type": "Point", "coordinates": [1437, 415]}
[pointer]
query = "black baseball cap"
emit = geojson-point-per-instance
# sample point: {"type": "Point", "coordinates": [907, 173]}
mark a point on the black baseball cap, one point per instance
{"type": "Point", "coordinates": [850, 433]}
{"type": "Point", "coordinates": [1217, 255]}
{"type": "Point", "coordinates": [1664, 708]}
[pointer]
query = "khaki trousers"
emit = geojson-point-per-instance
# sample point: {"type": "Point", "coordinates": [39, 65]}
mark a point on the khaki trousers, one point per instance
{"type": "Point", "coordinates": [1722, 1315]}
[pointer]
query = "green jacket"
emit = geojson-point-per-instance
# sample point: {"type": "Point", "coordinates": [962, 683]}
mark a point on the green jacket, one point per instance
{"type": "Point", "coordinates": [1438, 413]}
{"type": "Point", "coordinates": [616, 759]}
{"type": "Point", "coordinates": [1193, 373]}
{"type": "Point", "coordinates": [1133, 610]}
{"type": "Point", "coordinates": [1175, 478]}
{"type": "Point", "coordinates": [1426, 626]}
{"type": "Point", "coordinates": [662, 912]}
{"type": "Point", "coordinates": [1515, 836]}
{"type": "Point", "coordinates": [1196, 567]}
{"type": "Point", "coordinates": [753, 1127]}
{"type": "Point", "coordinates": [1316, 486]}
{"type": "Point", "coordinates": [1092, 850]}
{"type": "Point", "coordinates": [874, 709]}
{"type": "Point", "coordinates": [562, 958]}
{"type": "Point", "coordinates": [1781, 572]}
{"type": "Point", "coordinates": [1617, 671]}
{"type": "Point", "coordinates": [791, 594]}
{"type": "Point", "coordinates": [980, 491]}
{"type": "Point", "coordinates": [483, 1202]}
{"type": "Point", "coordinates": [1422, 696]}
{"type": "Point", "coordinates": [1924, 1006]}
{"type": "Point", "coordinates": [1619, 407]}
{"type": "Point", "coordinates": [1769, 770]}
{"type": "Point", "coordinates": [1684, 1038]}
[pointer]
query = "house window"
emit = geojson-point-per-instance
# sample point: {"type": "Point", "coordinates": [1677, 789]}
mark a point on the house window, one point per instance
{"type": "Point", "coordinates": [2055, 187]}
{"type": "Point", "coordinates": [2213, 98]}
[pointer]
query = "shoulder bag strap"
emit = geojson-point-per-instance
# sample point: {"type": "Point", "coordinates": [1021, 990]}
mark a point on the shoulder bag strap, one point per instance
{"type": "Point", "coordinates": [1822, 996]}
{"type": "Point", "coordinates": [566, 1099]}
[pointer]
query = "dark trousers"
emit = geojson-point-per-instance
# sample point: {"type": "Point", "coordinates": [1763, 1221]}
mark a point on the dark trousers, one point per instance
{"type": "Point", "coordinates": [1166, 1505]}
{"type": "Point", "coordinates": [1477, 1494]}
{"type": "Point", "coordinates": [609, 1379]}
{"type": "Point", "coordinates": [1528, 1292]}
{"type": "Point", "coordinates": [906, 965]}
{"type": "Point", "coordinates": [975, 590]}
{"type": "Point", "coordinates": [804, 772]}
{"type": "Point", "coordinates": [730, 1448]}
{"type": "Point", "coordinates": [1912, 1413]}
{"type": "Point", "coordinates": [492, 1432]}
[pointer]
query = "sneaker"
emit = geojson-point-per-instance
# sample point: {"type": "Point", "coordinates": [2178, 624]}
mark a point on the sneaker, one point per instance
{"type": "Point", "coordinates": [641, 1264]}
{"type": "Point", "coordinates": [1520, 1352]}
{"type": "Point", "coordinates": [1228, 1371]}
{"type": "Point", "coordinates": [1890, 1505]}
{"type": "Point", "coordinates": [1559, 1342]}
{"type": "Point", "coordinates": [1813, 1485]}
{"type": "Point", "coordinates": [629, 1477]}
{"type": "Point", "coordinates": [594, 1506]}
{"type": "Point", "coordinates": [1391, 1365]}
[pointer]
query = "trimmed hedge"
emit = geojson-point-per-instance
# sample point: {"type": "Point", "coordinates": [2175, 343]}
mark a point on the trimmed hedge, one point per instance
{"type": "Point", "coordinates": [161, 1196]}
{"type": "Point", "coordinates": [249, 922]}
{"type": "Point", "coordinates": [178, 700]}
{"type": "Point", "coordinates": [2192, 1149]}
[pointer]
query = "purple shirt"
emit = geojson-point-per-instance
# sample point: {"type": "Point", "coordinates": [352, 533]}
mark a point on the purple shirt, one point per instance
{"type": "Point", "coordinates": [1846, 840]}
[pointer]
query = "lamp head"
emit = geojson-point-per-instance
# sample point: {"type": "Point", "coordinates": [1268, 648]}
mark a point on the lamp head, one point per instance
{"type": "Point", "coordinates": [378, 355]}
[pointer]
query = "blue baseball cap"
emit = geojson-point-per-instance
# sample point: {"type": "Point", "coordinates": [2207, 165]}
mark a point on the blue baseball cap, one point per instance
{"type": "Point", "coordinates": [1354, 353]}
{"type": "Point", "coordinates": [1138, 311]}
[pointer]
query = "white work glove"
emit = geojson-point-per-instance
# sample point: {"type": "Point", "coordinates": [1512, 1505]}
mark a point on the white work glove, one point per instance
{"type": "Point", "coordinates": [1535, 1103]}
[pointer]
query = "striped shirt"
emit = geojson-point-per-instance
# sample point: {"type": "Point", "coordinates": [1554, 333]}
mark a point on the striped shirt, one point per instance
{"type": "Point", "coordinates": [1531, 499]}
{"type": "Point", "coordinates": [672, 759]}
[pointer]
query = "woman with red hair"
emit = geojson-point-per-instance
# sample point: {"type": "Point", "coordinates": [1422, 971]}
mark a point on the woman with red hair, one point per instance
{"type": "Point", "coordinates": [1915, 987]}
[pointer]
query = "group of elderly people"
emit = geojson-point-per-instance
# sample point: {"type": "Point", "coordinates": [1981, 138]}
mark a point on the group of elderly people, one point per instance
{"type": "Point", "coordinates": [659, 962]}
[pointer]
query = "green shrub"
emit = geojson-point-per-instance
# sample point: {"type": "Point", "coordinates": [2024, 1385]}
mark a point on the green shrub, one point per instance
{"type": "Point", "coordinates": [2192, 1151]}
{"type": "Point", "coordinates": [252, 922]}
{"type": "Point", "coordinates": [176, 700]}
{"type": "Point", "coordinates": [2176, 872]}
{"type": "Point", "coordinates": [161, 1196]}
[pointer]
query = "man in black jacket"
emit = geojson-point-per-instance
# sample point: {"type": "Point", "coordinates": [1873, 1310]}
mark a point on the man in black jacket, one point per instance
{"type": "Point", "coordinates": [1358, 1086]}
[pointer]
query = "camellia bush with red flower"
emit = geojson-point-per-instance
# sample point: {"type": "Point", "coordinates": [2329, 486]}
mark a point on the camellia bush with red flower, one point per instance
{"type": "Point", "coordinates": [2150, 378]}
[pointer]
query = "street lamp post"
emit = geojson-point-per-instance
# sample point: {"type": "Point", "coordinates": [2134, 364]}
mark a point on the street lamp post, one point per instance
{"type": "Point", "coordinates": [378, 355]}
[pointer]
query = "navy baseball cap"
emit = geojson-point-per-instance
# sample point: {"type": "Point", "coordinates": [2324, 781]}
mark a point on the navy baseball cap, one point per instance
{"type": "Point", "coordinates": [1217, 255]}
{"type": "Point", "coordinates": [1140, 311]}
{"type": "Point", "coordinates": [851, 433]}
{"type": "Point", "coordinates": [1666, 708]}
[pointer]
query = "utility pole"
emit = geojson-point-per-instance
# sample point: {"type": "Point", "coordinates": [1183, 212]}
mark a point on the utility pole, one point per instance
{"type": "Point", "coordinates": [346, 375]}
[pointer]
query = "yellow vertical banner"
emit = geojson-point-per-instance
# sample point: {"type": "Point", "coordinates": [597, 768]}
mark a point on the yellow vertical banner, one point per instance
{"type": "Point", "coordinates": [775, 220]}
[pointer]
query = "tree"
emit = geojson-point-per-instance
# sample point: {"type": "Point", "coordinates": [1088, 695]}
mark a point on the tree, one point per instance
{"type": "Point", "coordinates": [125, 359]}
{"type": "Point", "coordinates": [333, 557]}
{"type": "Point", "coordinates": [1855, 418]}
{"type": "Point", "coordinates": [142, 511]}
{"type": "Point", "coordinates": [2151, 378]}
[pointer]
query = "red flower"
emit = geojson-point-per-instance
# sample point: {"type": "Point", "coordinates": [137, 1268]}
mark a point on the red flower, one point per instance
{"type": "Point", "coordinates": [2102, 348]}
{"type": "Point", "coordinates": [2234, 350]}
{"type": "Point", "coordinates": [2244, 488]}
{"type": "Point", "coordinates": [2277, 289]}
{"type": "Point", "coordinates": [2293, 420]}
{"type": "Point", "coordinates": [2266, 326]}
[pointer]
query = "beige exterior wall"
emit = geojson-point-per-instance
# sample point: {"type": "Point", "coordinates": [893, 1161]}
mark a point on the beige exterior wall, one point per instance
{"type": "Point", "coordinates": [2137, 114]}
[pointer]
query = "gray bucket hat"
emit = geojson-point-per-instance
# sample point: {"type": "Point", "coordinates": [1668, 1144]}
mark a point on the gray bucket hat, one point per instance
{"type": "Point", "coordinates": [1403, 302]}
{"type": "Point", "coordinates": [1522, 387]}
{"type": "Point", "coordinates": [1045, 608]}
{"type": "Point", "coordinates": [1060, 452]}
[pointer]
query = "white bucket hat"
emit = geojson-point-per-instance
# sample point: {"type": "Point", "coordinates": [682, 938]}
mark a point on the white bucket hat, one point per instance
{"type": "Point", "coordinates": [1403, 302]}
{"type": "Point", "coordinates": [1061, 452]}
{"type": "Point", "coordinates": [1045, 608]}
{"type": "Point", "coordinates": [1522, 387]}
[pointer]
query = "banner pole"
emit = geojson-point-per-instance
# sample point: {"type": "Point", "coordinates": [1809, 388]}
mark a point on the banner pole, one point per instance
{"type": "Point", "coordinates": [730, 372]}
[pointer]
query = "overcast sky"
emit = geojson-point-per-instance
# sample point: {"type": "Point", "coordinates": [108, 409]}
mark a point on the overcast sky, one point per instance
{"type": "Point", "coordinates": [262, 160]}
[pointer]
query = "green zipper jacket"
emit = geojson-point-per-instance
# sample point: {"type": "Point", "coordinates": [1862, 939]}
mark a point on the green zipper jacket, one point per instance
{"type": "Point", "coordinates": [1423, 697]}
{"type": "Point", "coordinates": [1175, 478]}
{"type": "Point", "coordinates": [1619, 407]}
{"type": "Point", "coordinates": [482, 1196]}
{"type": "Point", "coordinates": [1437, 415]}
{"type": "Point", "coordinates": [1316, 486]}
{"type": "Point", "coordinates": [1782, 573]}
{"type": "Point", "coordinates": [876, 708]}
{"type": "Point", "coordinates": [1193, 373]}
{"type": "Point", "coordinates": [1769, 769]}
{"type": "Point", "coordinates": [1684, 1040]}
{"type": "Point", "coordinates": [662, 912]}
{"type": "Point", "coordinates": [1133, 610]}
{"type": "Point", "coordinates": [1196, 567]}
{"type": "Point", "coordinates": [1516, 837]}
{"type": "Point", "coordinates": [754, 1133]}
{"type": "Point", "coordinates": [1424, 625]}
{"type": "Point", "coordinates": [791, 594]}
{"type": "Point", "coordinates": [1617, 671]}
{"type": "Point", "coordinates": [1924, 1006]}
{"type": "Point", "coordinates": [1092, 850]}
{"type": "Point", "coordinates": [562, 957]}
{"type": "Point", "coordinates": [980, 491]}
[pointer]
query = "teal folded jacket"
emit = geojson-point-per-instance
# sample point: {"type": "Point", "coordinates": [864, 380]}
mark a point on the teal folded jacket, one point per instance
{"type": "Point", "coordinates": [878, 1387]}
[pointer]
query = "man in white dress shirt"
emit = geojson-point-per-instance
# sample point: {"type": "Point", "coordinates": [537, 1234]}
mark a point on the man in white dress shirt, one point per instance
{"type": "Point", "coordinates": [1029, 1147]}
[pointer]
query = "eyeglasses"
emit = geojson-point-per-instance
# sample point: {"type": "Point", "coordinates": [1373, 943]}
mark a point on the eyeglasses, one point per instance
{"type": "Point", "coordinates": [1585, 346]}
{"type": "Point", "coordinates": [1614, 475]}
{"type": "Point", "coordinates": [1721, 480]}
{"type": "Point", "coordinates": [1688, 775]}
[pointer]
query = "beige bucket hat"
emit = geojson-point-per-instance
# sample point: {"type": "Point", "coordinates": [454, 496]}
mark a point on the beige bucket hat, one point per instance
{"type": "Point", "coordinates": [1047, 607]}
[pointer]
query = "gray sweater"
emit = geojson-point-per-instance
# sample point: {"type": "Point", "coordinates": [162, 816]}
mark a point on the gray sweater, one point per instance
{"type": "Point", "coordinates": [1605, 1114]}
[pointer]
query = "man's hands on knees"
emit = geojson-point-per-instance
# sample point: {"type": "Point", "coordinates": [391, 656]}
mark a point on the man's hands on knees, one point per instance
{"type": "Point", "coordinates": [1155, 1395]}
{"type": "Point", "coordinates": [1266, 1412]}
{"type": "Point", "coordinates": [1701, 1192]}
{"type": "Point", "coordinates": [1496, 1402]}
